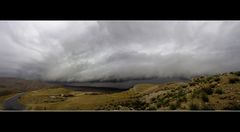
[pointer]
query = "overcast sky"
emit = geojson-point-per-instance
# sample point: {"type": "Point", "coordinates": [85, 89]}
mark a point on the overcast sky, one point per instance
{"type": "Point", "coordinates": [92, 50]}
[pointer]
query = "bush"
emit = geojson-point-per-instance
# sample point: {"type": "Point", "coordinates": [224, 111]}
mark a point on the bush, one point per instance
{"type": "Point", "coordinates": [233, 106]}
{"type": "Point", "coordinates": [153, 99]}
{"type": "Point", "coordinates": [193, 107]}
{"type": "Point", "coordinates": [183, 86]}
{"type": "Point", "coordinates": [152, 107]}
{"type": "Point", "coordinates": [217, 79]}
{"type": "Point", "coordinates": [193, 84]}
{"type": "Point", "coordinates": [173, 107]}
{"type": "Point", "coordinates": [180, 93]}
{"type": "Point", "coordinates": [196, 93]}
{"type": "Point", "coordinates": [182, 99]}
{"type": "Point", "coordinates": [207, 90]}
{"type": "Point", "coordinates": [204, 97]}
{"type": "Point", "coordinates": [236, 73]}
{"type": "Point", "coordinates": [207, 107]}
{"type": "Point", "coordinates": [209, 78]}
{"type": "Point", "coordinates": [162, 102]}
{"type": "Point", "coordinates": [219, 91]}
{"type": "Point", "coordinates": [233, 80]}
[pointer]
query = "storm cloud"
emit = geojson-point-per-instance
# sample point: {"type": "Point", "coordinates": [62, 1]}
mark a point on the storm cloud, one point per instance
{"type": "Point", "coordinates": [105, 50]}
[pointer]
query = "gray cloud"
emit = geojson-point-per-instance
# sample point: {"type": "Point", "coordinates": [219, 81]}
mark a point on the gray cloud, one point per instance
{"type": "Point", "coordinates": [89, 50]}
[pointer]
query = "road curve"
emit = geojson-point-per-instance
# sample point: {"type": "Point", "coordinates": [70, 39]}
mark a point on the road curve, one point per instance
{"type": "Point", "coordinates": [13, 104]}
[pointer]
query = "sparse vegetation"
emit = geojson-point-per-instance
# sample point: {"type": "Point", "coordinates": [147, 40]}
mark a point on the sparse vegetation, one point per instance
{"type": "Point", "coordinates": [233, 80]}
{"type": "Point", "coordinates": [236, 73]}
{"type": "Point", "coordinates": [204, 97]}
{"type": "Point", "coordinates": [208, 90]}
{"type": "Point", "coordinates": [217, 79]}
{"type": "Point", "coordinates": [173, 107]}
{"type": "Point", "coordinates": [193, 106]}
{"type": "Point", "coordinates": [207, 107]}
{"type": "Point", "coordinates": [152, 107]}
{"type": "Point", "coordinates": [217, 92]}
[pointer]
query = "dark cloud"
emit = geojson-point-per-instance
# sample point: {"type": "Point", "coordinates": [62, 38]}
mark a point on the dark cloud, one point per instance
{"type": "Point", "coordinates": [89, 50]}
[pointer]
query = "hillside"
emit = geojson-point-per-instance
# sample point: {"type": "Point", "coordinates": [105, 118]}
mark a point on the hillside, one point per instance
{"type": "Point", "coordinates": [10, 86]}
{"type": "Point", "coordinates": [216, 92]}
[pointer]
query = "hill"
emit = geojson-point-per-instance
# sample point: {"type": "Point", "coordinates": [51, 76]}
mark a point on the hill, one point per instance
{"type": "Point", "coordinates": [10, 86]}
{"type": "Point", "coordinates": [215, 92]}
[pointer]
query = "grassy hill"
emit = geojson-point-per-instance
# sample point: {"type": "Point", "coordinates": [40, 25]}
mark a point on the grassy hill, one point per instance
{"type": "Point", "coordinates": [216, 92]}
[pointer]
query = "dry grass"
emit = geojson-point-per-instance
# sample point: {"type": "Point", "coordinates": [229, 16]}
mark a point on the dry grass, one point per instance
{"type": "Point", "coordinates": [203, 93]}
{"type": "Point", "coordinates": [40, 99]}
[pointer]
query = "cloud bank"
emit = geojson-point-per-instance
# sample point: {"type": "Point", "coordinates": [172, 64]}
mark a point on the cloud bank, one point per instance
{"type": "Point", "coordinates": [105, 50]}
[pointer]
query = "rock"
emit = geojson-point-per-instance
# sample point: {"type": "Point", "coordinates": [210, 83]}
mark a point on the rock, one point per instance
{"type": "Point", "coordinates": [53, 97]}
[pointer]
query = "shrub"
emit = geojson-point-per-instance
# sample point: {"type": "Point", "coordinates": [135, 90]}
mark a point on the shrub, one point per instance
{"type": "Point", "coordinates": [208, 90]}
{"type": "Point", "coordinates": [199, 80]}
{"type": "Point", "coordinates": [213, 84]}
{"type": "Point", "coordinates": [182, 99]}
{"type": "Point", "coordinates": [217, 79]}
{"type": "Point", "coordinates": [204, 97]}
{"type": "Point", "coordinates": [196, 93]}
{"type": "Point", "coordinates": [219, 91]}
{"type": "Point", "coordinates": [193, 106]}
{"type": "Point", "coordinates": [152, 107]}
{"type": "Point", "coordinates": [173, 107]}
{"type": "Point", "coordinates": [162, 102]}
{"type": "Point", "coordinates": [207, 107]}
{"type": "Point", "coordinates": [237, 73]}
{"type": "Point", "coordinates": [233, 80]}
{"type": "Point", "coordinates": [193, 84]}
{"type": "Point", "coordinates": [233, 106]}
{"type": "Point", "coordinates": [153, 99]}
{"type": "Point", "coordinates": [180, 93]}
{"type": "Point", "coordinates": [209, 78]}
{"type": "Point", "coordinates": [183, 86]}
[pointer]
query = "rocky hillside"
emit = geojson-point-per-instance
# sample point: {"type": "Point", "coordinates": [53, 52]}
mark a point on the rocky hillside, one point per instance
{"type": "Point", "coordinates": [217, 92]}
